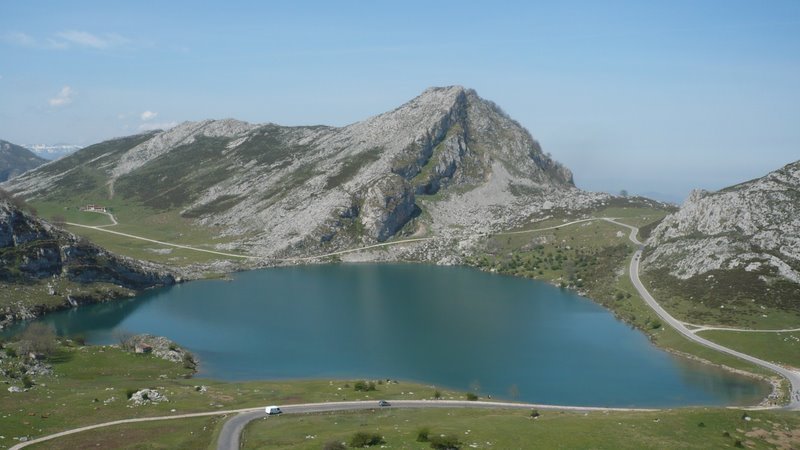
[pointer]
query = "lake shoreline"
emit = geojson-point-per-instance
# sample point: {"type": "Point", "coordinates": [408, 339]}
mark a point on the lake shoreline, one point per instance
{"type": "Point", "coordinates": [509, 313]}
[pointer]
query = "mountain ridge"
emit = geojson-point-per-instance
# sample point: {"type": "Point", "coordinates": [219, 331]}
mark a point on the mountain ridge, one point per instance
{"type": "Point", "coordinates": [445, 160]}
{"type": "Point", "coordinates": [15, 160]}
{"type": "Point", "coordinates": [745, 236]}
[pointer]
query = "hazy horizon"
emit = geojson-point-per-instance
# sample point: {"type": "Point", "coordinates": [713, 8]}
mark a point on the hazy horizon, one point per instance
{"type": "Point", "coordinates": [653, 99]}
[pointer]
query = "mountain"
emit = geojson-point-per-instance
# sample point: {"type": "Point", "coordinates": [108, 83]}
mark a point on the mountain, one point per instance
{"type": "Point", "coordinates": [43, 267]}
{"type": "Point", "coordinates": [51, 152]}
{"type": "Point", "coordinates": [15, 160]}
{"type": "Point", "coordinates": [446, 162]}
{"type": "Point", "coordinates": [736, 244]}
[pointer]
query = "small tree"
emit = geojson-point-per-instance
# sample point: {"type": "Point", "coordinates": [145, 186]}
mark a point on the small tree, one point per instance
{"type": "Point", "coordinates": [38, 338]}
{"type": "Point", "coordinates": [364, 386]}
{"type": "Point", "coordinates": [188, 361]}
{"type": "Point", "coordinates": [623, 193]}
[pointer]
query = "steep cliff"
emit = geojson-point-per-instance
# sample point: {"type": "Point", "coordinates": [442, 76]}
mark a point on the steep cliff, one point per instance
{"type": "Point", "coordinates": [43, 267]}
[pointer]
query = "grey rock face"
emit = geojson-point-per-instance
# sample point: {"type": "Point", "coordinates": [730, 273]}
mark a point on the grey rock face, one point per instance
{"type": "Point", "coordinates": [388, 205]}
{"type": "Point", "coordinates": [751, 226]}
{"type": "Point", "coordinates": [293, 191]}
{"type": "Point", "coordinates": [32, 249]}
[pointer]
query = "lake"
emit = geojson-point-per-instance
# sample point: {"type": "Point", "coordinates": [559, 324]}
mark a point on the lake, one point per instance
{"type": "Point", "coordinates": [452, 327]}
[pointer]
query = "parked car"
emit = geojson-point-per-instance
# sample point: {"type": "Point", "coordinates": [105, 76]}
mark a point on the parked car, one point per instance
{"type": "Point", "coordinates": [384, 403]}
{"type": "Point", "coordinates": [273, 410]}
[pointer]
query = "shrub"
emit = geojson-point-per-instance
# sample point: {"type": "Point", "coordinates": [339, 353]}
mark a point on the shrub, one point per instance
{"type": "Point", "coordinates": [471, 396]}
{"type": "Point", "coordinates": [364, 386]}
{"type": "Point", "coordinates": [10, 352]}
{"type": "Point", "coordinates": [445, 443]}
{"type": "Point", "coordinates": [189, 361]}
{"type": "Point", "coordinates": [422, 434]}
{"type": "Point", "coordinates": [333, 445]}
{"type": "Point", "coordinates": [437, 395]}
{"type": "Point", "coordinates": [79, 339]}
{"type": "Point", "coordinates": [362, 439]}
{"type": "Point", "coordinates": [27, 383]}
{"type": "Point", "coordinates": [535, 413]}
{"type": "Point", "coordinates": [129, 393]}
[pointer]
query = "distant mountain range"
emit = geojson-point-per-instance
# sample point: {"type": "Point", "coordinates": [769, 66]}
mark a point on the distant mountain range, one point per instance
{"type": "Point", "coordinates": [446, 162]}
{"type": "Point", "coordinates": [51, 152]}
{"type": "Point", "coordinates": [15, 160]}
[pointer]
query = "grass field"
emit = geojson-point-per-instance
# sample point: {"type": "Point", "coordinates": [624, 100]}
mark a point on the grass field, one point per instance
{"type": "Point", "coordinates": [90, 385]}
{"type": "Point", "coordinates": [514, 429]}
{"type": "Point", "coordinates": [782, 348]}
{"type": "Point", "coordinates": [137, 220]}
{"type": "Point", "coordinates": [196, 433]}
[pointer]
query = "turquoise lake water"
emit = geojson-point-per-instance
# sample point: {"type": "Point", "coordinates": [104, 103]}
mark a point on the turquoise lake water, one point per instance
{"type": "Point", "coordinates": [452, 327]}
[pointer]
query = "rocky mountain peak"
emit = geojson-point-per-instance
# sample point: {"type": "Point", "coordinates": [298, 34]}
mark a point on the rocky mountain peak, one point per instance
{"type": "Point", "coordinates": [447, 156]}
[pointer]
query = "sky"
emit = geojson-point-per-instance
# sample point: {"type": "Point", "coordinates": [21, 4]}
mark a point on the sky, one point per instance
{"type": "Point", "coordinates": [655, 97]}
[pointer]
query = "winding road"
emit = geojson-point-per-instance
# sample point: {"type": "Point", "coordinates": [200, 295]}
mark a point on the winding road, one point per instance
{"type": "Point", "coordinates": [792, 376]}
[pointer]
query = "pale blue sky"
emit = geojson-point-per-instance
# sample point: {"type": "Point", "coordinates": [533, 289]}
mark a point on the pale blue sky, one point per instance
{"type": "Point", "coordinates": [648, 96]}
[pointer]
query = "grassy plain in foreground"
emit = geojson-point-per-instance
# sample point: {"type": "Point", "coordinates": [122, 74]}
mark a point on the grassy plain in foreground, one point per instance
{"type": "Point", "coordinates": [695, 428]}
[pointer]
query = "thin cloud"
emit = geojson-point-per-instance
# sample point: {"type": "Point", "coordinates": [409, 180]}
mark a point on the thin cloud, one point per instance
{"type": "Point", "coordinates": [21, 39]}
{"type": "Point", "coordinates": [149, 115]}
{"type": "Point", "coordinates": [64, 97]}
{"type": "Point", "coordinates": [86, 39]}
{"type": "Point", "coordinates": [67, 39]}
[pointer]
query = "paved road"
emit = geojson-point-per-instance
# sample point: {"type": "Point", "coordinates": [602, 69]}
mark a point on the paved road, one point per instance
{"type": "Point", "coordinates": [229, 438]}
{"type": "Point", "coordinates": [698, 328]}
{"type": "Point", "coordinates": [254, 413]}
{"type": "Point", "coordinates": [124, 421]}
{"type": "Point", "coordinates": [680, 327]}
{"type": "Point", "coordinates": [110, 216]}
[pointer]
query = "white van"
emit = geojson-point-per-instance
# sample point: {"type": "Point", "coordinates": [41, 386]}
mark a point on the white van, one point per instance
{"type": "Point", "coordinates": [273, 410]}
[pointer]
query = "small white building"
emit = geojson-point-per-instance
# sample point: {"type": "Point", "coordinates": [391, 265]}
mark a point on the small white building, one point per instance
{"type": "Point", "coordinates": [94, 208]}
